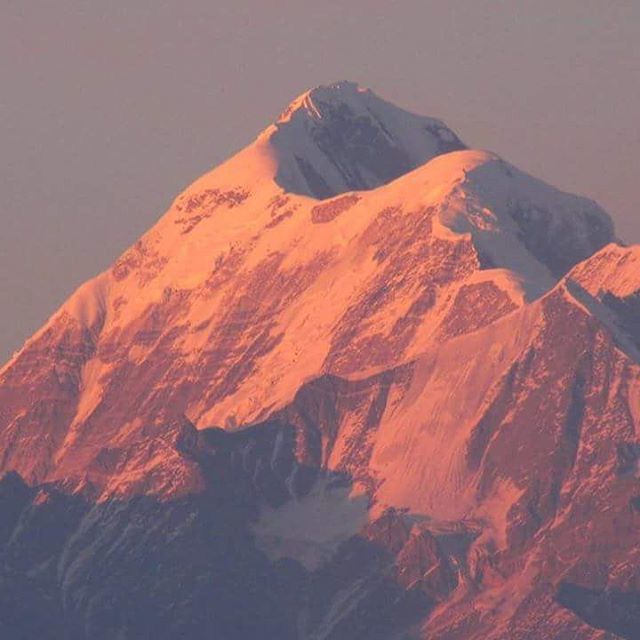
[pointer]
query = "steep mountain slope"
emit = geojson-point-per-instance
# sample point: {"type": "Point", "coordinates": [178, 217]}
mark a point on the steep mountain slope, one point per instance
{"type": "Point", "coordinates": [429, 396]}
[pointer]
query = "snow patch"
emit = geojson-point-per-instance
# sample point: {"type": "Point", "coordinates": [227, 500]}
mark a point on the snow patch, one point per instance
{"type": "Point", "coordinates": [311, 528]}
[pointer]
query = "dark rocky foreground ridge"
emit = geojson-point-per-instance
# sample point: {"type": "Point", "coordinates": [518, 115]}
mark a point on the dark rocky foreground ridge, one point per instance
{"type": "Point", "coordinates": [428, 395]}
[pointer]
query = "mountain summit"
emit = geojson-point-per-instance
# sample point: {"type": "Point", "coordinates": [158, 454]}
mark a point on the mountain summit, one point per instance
{"type": "Point", "coordinates": [359, 381]}
{"type": "Point", "coordinates": [341, 137]}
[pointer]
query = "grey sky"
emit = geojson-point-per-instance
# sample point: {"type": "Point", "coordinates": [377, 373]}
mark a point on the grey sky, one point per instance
{"type": "Point", "coordinates": [107, 110]}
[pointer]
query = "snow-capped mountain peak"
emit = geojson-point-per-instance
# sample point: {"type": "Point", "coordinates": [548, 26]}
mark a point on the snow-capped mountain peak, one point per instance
{"type": "Point", "coordinates": [342, 137]}
{"type": "Point", "coordinates": [312, 101]}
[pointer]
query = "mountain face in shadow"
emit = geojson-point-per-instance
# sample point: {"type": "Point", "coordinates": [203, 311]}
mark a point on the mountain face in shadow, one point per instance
{"type": "Point", "coordinates": [194, 566]}
{"type": "Point", "coordinates": [359, 381]}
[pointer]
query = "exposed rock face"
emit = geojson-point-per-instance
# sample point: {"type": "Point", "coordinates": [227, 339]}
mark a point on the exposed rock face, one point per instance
{"type": "Point", "coordinates": [428, 399]}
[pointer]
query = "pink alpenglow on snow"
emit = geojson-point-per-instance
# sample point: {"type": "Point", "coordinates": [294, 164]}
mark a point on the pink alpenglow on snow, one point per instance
{"type": "Point", "coordinates": [359, 381]}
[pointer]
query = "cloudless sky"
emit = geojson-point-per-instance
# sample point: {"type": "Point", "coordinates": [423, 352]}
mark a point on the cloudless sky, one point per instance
{"type": "Point", "coordinates": [109, 109]}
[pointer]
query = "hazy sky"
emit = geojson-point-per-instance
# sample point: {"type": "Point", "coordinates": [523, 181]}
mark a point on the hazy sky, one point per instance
{"type": "Point", "coordinates": [108, 109]}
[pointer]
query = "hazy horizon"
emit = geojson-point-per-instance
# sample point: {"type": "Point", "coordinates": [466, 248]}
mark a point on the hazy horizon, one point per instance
{"type": "Point", "coordinates": [107, 113]}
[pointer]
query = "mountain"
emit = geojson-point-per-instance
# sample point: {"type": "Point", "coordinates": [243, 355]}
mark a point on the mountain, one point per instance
{"type": "Point", "coordinates": [359, 381]}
